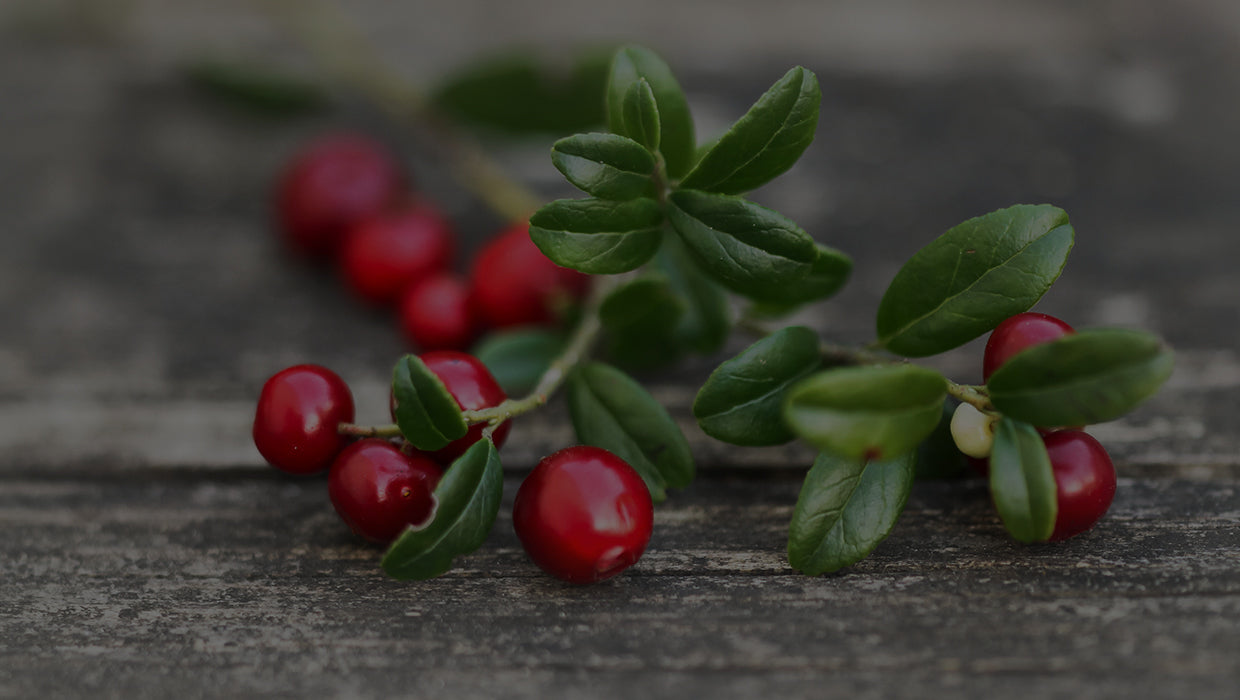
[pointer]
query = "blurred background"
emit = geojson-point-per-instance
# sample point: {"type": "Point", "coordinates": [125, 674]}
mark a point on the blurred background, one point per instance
{"type": "Point", "coordinates": [145, 298]}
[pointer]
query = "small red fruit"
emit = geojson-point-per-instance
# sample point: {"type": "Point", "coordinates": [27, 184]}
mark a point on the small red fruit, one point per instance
{"type": "Point", "coordinates": [512, 283]}
{"type": "Point", "coordinates": [379, 491]}
{"type": "Point", "coordinates": [331, 184]}
{"type": "Point", "coordinates": [298, 412]}
{"type": "Point", "coordinates": [472, 385]}
{"type": "Point", "coordinates": [385, 253]}
{"type": "Point", "coordinates": [1084, 481]}
{"type": "Point", "coordinates": [583, 515]}
{"type": "Point", "coordinates": [1018, 333]}
{"type": "Point", "coordinates": [435, 313]}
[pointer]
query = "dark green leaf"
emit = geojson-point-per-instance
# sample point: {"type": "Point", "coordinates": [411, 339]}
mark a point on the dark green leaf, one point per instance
{"type": "Point", "coordinates": [466, 503]}
{"type": "Point", "coordinates": [518, 358]}
{"type": "Point", "coordinates": [641, 114]}
{"type": "Point", "coordinates": [872, 412]}
{"type": "Point", "coordinates": [1087, 377]}
{"type": "Point", "coordinates": [828, 274]}
{"type": "Point", "coordinates": [742, 400]}
{"type": "Point", "coordinates": [426, 413]}
{"type": "Point", "coordinates": [845, 509]}
{"type": "Point", "coordinates": [706, 321]}
{"type": "Point", "coordinates": [640, 318]}
{"type": "Point", "coordinates": [676, 141]}
{"type": "Point", "coordinates": [605, 165]}
{"type": "Point", "coordinates": [597, 236]}
{"type": "Point", "coordinates": [766, 141]}
{"type": "Point", "coordinates": [257, 87]}
{"type": "Point", "coordinates": [749, 249]}
{"type": "Point", "coordinates": [522, 93]}
{"type": "Point", "coordinates": [972, 277]}
{"type": "Point", "coordinates": [937, 455]}
{"type": "Point", "coordinates": [1022, 483]}
{"type": "Point", "coordinates": [611, 411]}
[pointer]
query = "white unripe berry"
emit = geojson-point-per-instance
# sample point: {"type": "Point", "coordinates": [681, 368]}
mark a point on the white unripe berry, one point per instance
{"type": "Point", "coordinates": [973, 431]}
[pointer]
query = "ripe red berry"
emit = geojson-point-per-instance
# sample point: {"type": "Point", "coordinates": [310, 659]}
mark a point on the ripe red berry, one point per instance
{"type": "Point", "coordinates": [385, 253]}
{"type": "Point", "coordinates": [331, 184]}
{"type": "Point", "coordinates": [298, 412]}
{"type": "Point", "coordinates": [583, 515]}
{"type": "Point", "coordinates": [379, 491]}
{"type": "Point", "coordinates": [472, 385]}
{"type": "Point", "coordinates": [435, 313]}
{"type": "Point", "coordinates": [1084, 481]}
{"type": "Point", "coordinates": [1018, 333]}
{"type": "Point", "coordinates": [512, 283]}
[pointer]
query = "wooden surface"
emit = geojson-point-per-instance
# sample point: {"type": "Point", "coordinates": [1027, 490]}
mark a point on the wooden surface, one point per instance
{"type": "Point", "coordinates": [145, 551]}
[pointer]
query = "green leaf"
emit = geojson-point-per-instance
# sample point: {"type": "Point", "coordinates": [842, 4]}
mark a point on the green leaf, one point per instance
{"type": "Point", "coordinates": [641, 114]}
{"type": "Point", "coordinates": [742, 400]}
{"type": "Point", "coordinates": [766, 141]}
{"type": "Point", "coordinates": [749, 249]}
{"type": "Point", "coordinates": [257, 87]}
{"type": "Point", "coordinates": [426, 413]}
{"type": "Point", "coordinates": [1022, 483]}
{"type": "Point", "coordinates": [969, 279]}
{"type": "Point", "coordinates": [466, 503]}
{"type": "Point", "coordinates": [827, 276]}
{"type": "Point", "coordinates": [872, 412]}
{"type": "Point", "coordinates": [676, 141]}
{"type": "Point", "coordinates": [707, 317]}
{"type": "Point", "coordinates": [518, 358]}
{"type": "Point", "coordinates": [640, 318]}
{"type": "Point", "coordinates": [846, 507]}
{"type": "Point", "coordinates": [605, 165]}
{"type": "Point", "coordinates": [522, 93]}
{"type": "Point", "coordinates": [597, 236]}
{"type": "Point", "coordinates": [612, 411]}
{"type": "Point", "coordinates": [1087, 377]}
{"type": "Point", "coordinates": [937, 455]}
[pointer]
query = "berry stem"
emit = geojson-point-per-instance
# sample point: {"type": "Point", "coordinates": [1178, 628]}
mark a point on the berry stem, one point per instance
{"type": "Point", "coordinates": [973, 395]}
{"type": "Point", "coordinates": [365, 431]}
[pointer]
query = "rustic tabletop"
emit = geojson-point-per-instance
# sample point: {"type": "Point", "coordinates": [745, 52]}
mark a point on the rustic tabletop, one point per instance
{"type": "Point", "coordinates": [146, 551]}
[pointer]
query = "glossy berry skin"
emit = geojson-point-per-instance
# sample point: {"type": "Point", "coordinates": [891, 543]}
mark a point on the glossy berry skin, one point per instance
{"type": "Point", "coordinates": [1018, 333]}
{"type": "Point", "coordinates": [473, 387]}
{"type": "Point", "coordinates": [331, 184]}
{"type": "Point", "coordinates": [379, 491]}
{"type": "Point", "coordinates": [295, 423]}
{"type": "Point", "coordinates": [435, 313]}
{"type": "Point", "coordinates": [513, 284]}
{"type": "Point", "coordinates": [1084, 481]}
{"type": "Point", "coordinates": [583, 515]}
{"type": "Point", "coordinates": [385, 253]}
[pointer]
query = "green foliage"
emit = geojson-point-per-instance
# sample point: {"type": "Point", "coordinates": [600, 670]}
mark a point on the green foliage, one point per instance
{"type": "Point", "coordinates": [427, 415]}
{"type": "Point", "coordinates": [641, 115]}
{"type": "Point", "coordinates": [640, 318]}
{"type": "Point", "coordinates": [937, 455]}
{"type": "Point", "coordinates": [704, 325]}
{"type": "Point", "coordinates": [1022, 483]}
{"type": "Point", "coordinates": [827, 275]}
{"type": "Point", "coordinates": [518, 358]}
{"type": "Point", "coordinates": [597, 236]}
{"type": "Point", "coordinates": [632, 64]}
{"type": "Point", "coordinates": [257, 88]}
{"type": "Point", "coordinates": [606, 165]}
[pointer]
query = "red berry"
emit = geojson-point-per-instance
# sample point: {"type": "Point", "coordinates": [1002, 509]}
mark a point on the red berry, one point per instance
{"type": "Point", "coordinates": [379, 491]}
{"type": "Point", "coordinates": [1084, 481]}
{"type": "Point", "coordinates": [435, 313]}
{"type": "Point", "coordinates": [1018, 333]}
{"type": "Point", "coordinates": [331, 184]}
{"type": "Point", "coordinates": [385, 253]}
{"type": "Point", "coordinates": [583, 515]}
{"type": "Point", "coordinates": [472, 385]}
{"type": "Point", "coordinates": [298, 411]}
{"type": "Point", "coordinates": [512, 283]}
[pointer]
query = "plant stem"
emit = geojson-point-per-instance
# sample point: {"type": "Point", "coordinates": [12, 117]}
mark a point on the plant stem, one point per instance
{"type": "Point", "coordinates": [971, 394]}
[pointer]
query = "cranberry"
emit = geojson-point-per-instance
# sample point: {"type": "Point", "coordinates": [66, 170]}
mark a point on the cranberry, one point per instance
{"type": "Point", "coordinates": [583, 515]}
{"type": "Point", "coordinates": [379, 490]}
{"type": "Point", "coordinates": [1018, 333]}
{"type": "Point", "coordinates": [331, 184]}
{"type": "Point", "coordinates": [298, 412]}
{"type": "Point", "coordinates": [473, 387]}
{"type": "Point", "coordinates": [1084, 481]}
{"type": "Point", "coordinates": [512, 283]}
{"type": "Point", "coordinates": [435, 313]}
{"type": "Point", "coordinates": [385, 253]}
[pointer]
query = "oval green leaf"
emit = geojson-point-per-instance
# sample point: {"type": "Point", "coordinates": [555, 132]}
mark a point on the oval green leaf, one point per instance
{"type": "Point", "coordinates": [874, 412]}
{"type": "Point", "coordinates": [517, 359]}
{"type": "Point", "coordinates": [827, 275]}
{"type": "Point", "coordinates": [747, 248]}
{"type": "Point", "coordinates": [707, 317]}
{"type": "Point", "coordinates": [676, 140]}
{"type": "Point", "coordinates": [640, 318]}
{"type": "Point", "coordinates": [1087, 377]}
{"type": "Point", "coordinates": [766, 141]}
{"type": "Point", "coordinates": [605, 165]}
{"type": "Point", "coordinates": [426, 413]}
{"type": "Point", "coordinates": [597, 236]}
{"type": "Point", "coordinates": [741, 401]}
{"type": "Point", "coordinates": [972, 277]}
{"type": "Point", "coordinates": [1022, 483]}
{"type": "Point", "coordinates": [641, 115]}
{"type": "Point", "coordinates": [466, 502]}
{"type": "Point", "coordinates": [612, 411]}
{"type": "Point", "coordinates": [845, 509]}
